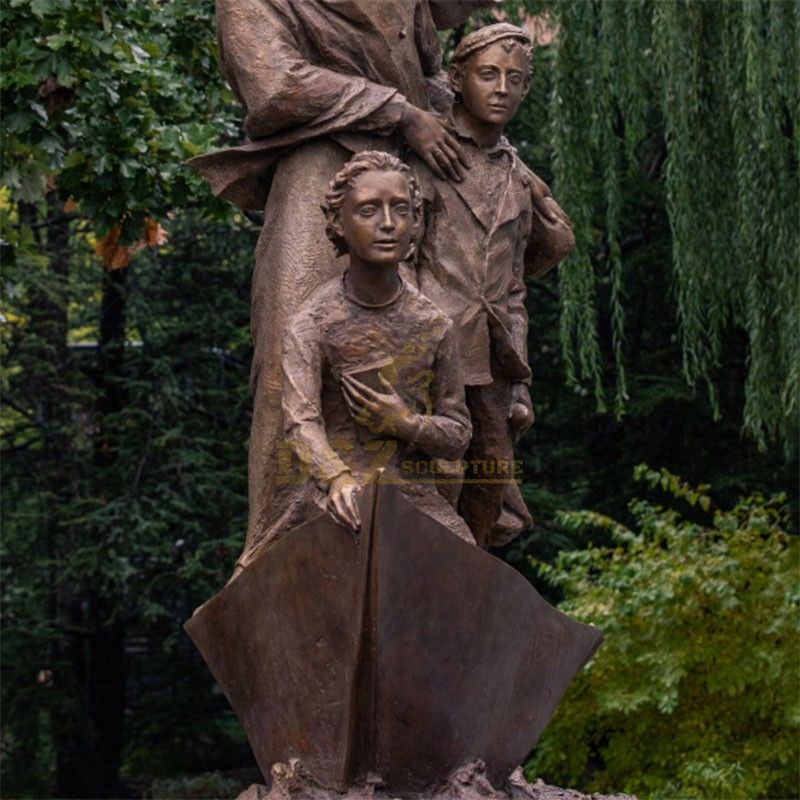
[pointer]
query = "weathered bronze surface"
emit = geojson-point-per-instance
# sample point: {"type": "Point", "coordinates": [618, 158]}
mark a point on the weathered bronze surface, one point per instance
{"type": "Point", "coordinates": [483, 237]}
{"type": "Point", "coordinates": [365, 634]}
{"type": "Point", "coordinates": [405, 653]}
{"type": "Point", "coordinates": [283, 641]}
{"type": "Point", "coordinates": [320, 80]}
{"type": "Point", "coordinates": [338, 430]}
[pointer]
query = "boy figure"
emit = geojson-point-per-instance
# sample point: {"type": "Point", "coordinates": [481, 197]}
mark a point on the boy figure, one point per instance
{"type": "Point", "coordinates": [483, 236]}
{"type": "Point", "coordinates": [371, 373]}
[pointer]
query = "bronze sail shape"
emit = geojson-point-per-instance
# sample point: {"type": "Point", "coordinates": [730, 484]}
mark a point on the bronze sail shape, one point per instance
{"type": "Point", "coordinates": [406, 653]}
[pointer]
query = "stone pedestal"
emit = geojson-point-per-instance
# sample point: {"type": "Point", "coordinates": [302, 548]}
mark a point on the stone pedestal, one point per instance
{"type": "Point", "coordinates": [467, 783]}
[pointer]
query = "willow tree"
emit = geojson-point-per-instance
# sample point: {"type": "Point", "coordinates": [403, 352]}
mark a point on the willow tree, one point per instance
{"type": "Point", "coordinates": [705, 95]}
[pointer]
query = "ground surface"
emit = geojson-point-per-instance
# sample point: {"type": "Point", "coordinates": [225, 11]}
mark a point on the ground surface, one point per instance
{"type": "Point", "coordinates": [467, 783]}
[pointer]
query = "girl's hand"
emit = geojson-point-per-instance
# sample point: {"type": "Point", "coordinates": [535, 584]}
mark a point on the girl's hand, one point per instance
{"type": "Point", "coordinates": [342, 501]}
{"type": "Point", "coordinates": [380, 412]}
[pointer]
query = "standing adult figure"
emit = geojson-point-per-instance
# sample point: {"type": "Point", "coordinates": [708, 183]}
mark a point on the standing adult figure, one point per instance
{"type": "Point", "coordinates": [320, 80]}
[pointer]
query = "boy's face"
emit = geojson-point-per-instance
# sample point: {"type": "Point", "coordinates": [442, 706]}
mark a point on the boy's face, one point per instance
{"type": "Point", "coordinates": [376, 218]}
{"type": "Point", "coordinates": [492, 83]}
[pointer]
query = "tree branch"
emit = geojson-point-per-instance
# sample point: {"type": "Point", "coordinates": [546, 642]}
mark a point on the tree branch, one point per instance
{"type": "Point", "coordinates": [48, 222]}
{"type": "Point", "coordinates": [20, 410]}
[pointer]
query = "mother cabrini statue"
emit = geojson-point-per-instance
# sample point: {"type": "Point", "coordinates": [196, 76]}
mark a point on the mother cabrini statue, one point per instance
{"type": "Point", "coordinates": [320, 80]}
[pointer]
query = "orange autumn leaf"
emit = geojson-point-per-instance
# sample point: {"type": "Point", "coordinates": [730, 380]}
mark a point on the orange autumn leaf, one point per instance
{"type": "Point", "coordinates": [117, 256]}
{"type": "Point", "coordinates": [154, 234]}
{"type": "Point", "coordinates": [70, 205]}
{"type": "Point", "coordinates": [111, 252]}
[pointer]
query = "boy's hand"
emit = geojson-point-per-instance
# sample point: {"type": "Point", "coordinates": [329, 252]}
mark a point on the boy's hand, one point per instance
{"type": "Point", "coordinates": [430, 139]}
{"type": "Point", "coordinates": [342, 501]}
{"type": "Point", "coordinates": [520, 410]}
{"type": "Point", "coordinates": [381, 413]}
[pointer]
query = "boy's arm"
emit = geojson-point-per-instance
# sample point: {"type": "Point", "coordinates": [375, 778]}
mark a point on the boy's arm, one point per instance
{"type": "Point", "coordinates": [302, 405]}
{"type": "Point", "coordinates": [520, 389]}
{"type": "Point", "coordinates": [446, 432]}
{"type": "Point", "coordinates": [551, 237]}
{"type": "Point", "coordinates": [518, 316]}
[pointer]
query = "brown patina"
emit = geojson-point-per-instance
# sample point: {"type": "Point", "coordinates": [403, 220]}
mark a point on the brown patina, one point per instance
{"type": "Point", "coordinates": [363, 637]}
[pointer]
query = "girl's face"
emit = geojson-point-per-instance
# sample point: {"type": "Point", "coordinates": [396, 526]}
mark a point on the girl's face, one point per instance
{"type": "Point", "coordinates": [376, 218]}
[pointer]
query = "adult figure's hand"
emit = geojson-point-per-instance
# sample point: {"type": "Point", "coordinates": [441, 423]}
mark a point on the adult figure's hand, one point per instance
{"type": "Point", "coordinates": [551, 237]}
{"type": "Point", "coordinates": [429, 138]}
{"type": "Point", "coordinates": [542, 199]}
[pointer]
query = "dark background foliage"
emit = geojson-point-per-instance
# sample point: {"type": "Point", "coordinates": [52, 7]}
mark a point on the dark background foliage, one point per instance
{"type": "Point", "coordinates": [126, 349]}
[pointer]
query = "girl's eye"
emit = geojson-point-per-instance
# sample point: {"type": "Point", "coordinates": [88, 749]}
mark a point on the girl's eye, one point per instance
{"type": "Point", "coordinates": [367, 211]}
{"type": "Point", "coordinates": [487, 75]}
{"type": "Point", "coordinates": [401, 209]}
{"type": "Point", "coordinates": [515, 79]}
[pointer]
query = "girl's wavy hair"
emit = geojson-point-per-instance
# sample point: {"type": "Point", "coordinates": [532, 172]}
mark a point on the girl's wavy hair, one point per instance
{"type": "Point", "coordinates": [344, 180]}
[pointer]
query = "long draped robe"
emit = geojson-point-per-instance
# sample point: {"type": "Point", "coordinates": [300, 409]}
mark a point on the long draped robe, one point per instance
{"type": "Point", "coordinates": [320, 80]}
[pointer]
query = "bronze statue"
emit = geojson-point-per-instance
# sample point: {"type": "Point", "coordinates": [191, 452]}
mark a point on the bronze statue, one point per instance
{"type": "Point", "coordinates": [363, 638]}
{"type": "Point", "coordinates": [483, 237]}
{"type": "Point", "coordinates": [320, 80]}
{"type": "Point", "coordinates": [391, 660]}
{"type": "Point", "coordinates": [368, 325]}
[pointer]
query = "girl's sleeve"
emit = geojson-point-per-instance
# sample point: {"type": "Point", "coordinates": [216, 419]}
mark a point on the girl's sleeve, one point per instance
{"type": "Point", "coordinates": [304, 426]}
{"type": "Point", "coordinates": [446, 432]}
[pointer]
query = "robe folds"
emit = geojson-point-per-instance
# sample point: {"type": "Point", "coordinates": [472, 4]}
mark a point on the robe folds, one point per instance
{"type": "Point", "coordinates": [320, 80]}
{"type": "Point", "coordinates": [305, 69]}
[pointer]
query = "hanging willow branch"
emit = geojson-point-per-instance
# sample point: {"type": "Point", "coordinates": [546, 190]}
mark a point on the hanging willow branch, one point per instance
{"type": "Point", "coordinates": [573, 168]}
{"type": "Point", "coordinates": [718, 82]}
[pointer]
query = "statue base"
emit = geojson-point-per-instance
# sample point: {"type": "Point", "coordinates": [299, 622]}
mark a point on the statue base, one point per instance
{"type": "Point", "coordinates": [467, 783]}
{"type": "Point", "coordinates": [404, 654]}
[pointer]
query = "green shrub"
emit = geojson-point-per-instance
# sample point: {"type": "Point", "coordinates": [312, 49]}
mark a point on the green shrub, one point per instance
{"type": "Point", "coordinates": [695, 690]}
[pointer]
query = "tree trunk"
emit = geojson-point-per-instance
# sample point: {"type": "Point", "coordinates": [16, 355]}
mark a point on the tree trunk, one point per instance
{"type": "Point", "coordinates": [90, 739]}
{"type": "Point", "coordinates": [90, 728]}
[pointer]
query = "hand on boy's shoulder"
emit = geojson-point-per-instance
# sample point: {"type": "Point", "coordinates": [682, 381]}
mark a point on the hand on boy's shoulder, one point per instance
{"type": "Point", "coordinates": [541, 196]}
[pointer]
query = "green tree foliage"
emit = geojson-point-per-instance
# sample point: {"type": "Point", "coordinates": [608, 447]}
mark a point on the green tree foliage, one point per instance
{"type": "Point", "coordinates": [125, 391]}
{"type": "Point", "coordinates": [104, 101]}
{"type": "Point", "coordinates": [124, 462]}
{"type": "Point", "coordinates": [695, 691]}
{"type": "Point", "coordinates": [705, 96]}
{"type": "Point", "coordinates": [103, 559]}
{"type": "Point", "coordinates": [576, 455]}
